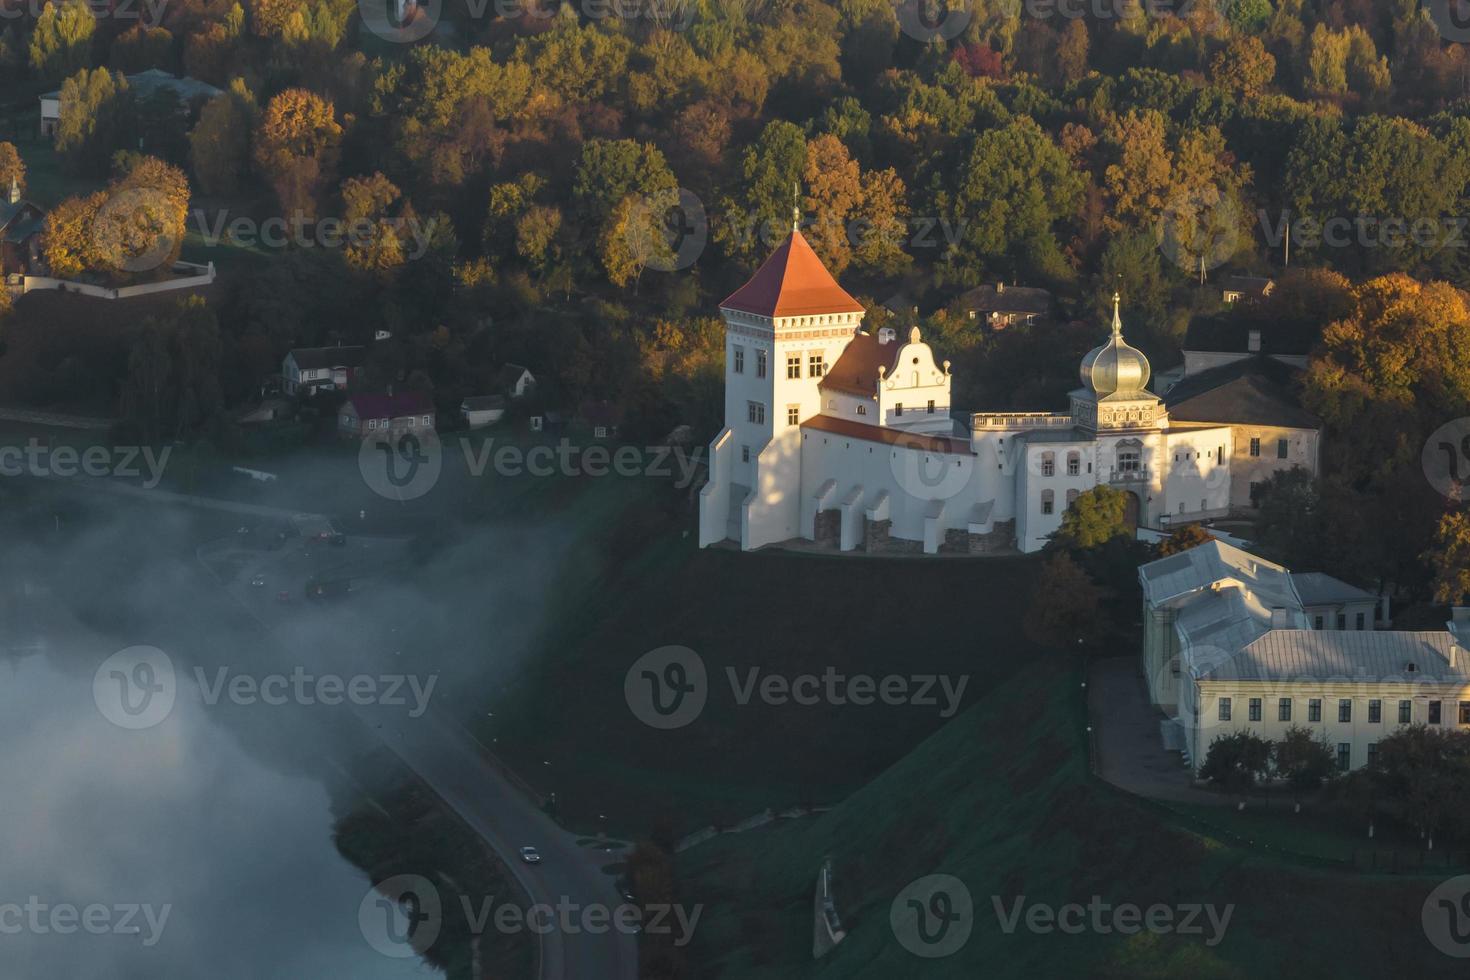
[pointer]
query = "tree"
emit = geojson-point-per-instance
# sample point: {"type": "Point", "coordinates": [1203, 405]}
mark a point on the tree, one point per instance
{"type": "Point", "coordinates": [771, 170]}
{"type": "Point", "coordinates": [1235, 762]}
{"type": "Point", "coordinates": [1064, 604]}
{"type": "Point", "coordinates": [1303, 759]}
{"type": "Point", "coordinates": [67, 240]}
{"type": "Point", "coordinates": [12, 168]}
{"type": "Point", "coordinates": [140, 48]}
{"type": "Point", "coordinates": [537, 231]}
{"type": "Point", "coordinates": [219, 146]}
{"type": "Point", "coordinates": [1184, 538]}
{"type": "Point", "coordinates": [1095, 518]}
{"type": "Point", "coordinates": [61, 43]}
{"type": "Point", "coordinates": [1243, 66]}
{"type": "Point", "coordinates": [834, 192]}
{"type": "Point", "coordinates": [1449, 557]}
{"type": "Point", "coordinates": [1013, 189]}
{"type": "Point", "coordinates": [611, 170]}
{"type": "Point", "coordinates": [1071, 55]}
{"type": "Point", "coordinates": [635, 237]}
{"type": "Point", "coordinates": [296, 147]}
{"type": "Point", "coordinates": [96, 118]}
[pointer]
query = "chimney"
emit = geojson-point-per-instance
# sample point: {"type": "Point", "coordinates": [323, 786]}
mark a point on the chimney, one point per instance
{"type": "Point", "coordinates": [1253, 342]}
{"type": "Point", "coordinates": [1280, 618]}
{"type": "Point", "coordinates": [1459, 627]}
{"type": "Point", "coordinates": [886, 335]}
{"type": "Point", "coordinates": [1000, 287]}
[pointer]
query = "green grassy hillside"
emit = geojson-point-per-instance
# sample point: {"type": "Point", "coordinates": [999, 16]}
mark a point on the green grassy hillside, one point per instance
{"type": "Point", "coordinates": [1002, 799]}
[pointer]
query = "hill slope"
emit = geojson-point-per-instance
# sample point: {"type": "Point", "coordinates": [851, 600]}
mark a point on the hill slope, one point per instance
{"type": "Point", "coordinates": [1001, 798]}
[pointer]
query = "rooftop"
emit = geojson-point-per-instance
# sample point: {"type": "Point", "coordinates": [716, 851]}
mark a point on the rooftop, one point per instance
{"type": "Point", "coordinates": [792, 282]}
{"type": "Point", "coordinates": [391, 406]}
{"type": "Point", "coordinates": [1352, 654]}
{"type": "Point", "coordinates": [1320, 589]}
{"type": "Point", "coordinates": [1252, 391]}
{"type": "Point", "coordinates": [856, 369]}
{"type": "Point", "coordinates": [886, 435]}
{"type": "Point", "coordinates": [1231, 335]}
{"type": "Point", "coordinates": [1006, 299]}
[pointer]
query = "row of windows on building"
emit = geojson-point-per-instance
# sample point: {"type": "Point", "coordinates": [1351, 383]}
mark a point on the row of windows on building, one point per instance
{"type": "Point", "coordinates": [1344, 710]}
{"type": "Point", "coordinates": [407, 422]}
{"type": "Point", "coordinates": [816, 363]}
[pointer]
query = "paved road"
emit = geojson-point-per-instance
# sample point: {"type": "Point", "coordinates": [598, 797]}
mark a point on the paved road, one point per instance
{"type": "Point", "coordinates": [448, 759]}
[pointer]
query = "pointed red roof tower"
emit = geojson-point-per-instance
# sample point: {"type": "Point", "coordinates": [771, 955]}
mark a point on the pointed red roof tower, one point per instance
{"type": "Point", "coordinates": [792, 282]}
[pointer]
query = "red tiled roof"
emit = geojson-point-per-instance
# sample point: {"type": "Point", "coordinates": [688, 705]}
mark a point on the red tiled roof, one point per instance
{"type": "Point", "coordinates": [395, 406]}
{"type": "Point", "coordinates": [884, 434]}
{"type": "Point", "coordinates": [856, 369]}
{"type": "Point", "coordinates": [792, 282]}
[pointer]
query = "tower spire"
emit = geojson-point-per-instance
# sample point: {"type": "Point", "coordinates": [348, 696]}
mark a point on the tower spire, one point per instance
{"type": "Point", "coordinates": [795, 207]}
{"type": "Point", "coordinates": [1117, 320]}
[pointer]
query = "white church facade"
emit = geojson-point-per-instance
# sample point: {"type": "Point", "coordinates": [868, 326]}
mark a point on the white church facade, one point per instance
{"type": "Point", "coordinates": [844, 437]}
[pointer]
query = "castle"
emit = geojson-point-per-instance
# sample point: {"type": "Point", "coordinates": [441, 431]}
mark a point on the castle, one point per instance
{"type": "Point", "coordinates": [845, 438]}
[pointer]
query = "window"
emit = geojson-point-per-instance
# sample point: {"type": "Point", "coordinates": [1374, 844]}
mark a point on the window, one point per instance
{"type": "Point", "coordinates": [1283, 709]}
{"type": "Point", "coordinates": [898, 408]}
{"type": "Point", "coordinates": [1362, 624]}
{"type": "Point", "coordinates": [1048, 464]}
{"type": "Point", "coordinates": [760, 364]}
{"type": "Point", "coordinates": [1344, 709]}
{"type": "Point", "coordinates": [793, 365]}
{"type": "Point", "coordinates": [1224, 709]}
{"type": "Point", "coordinates": [793, 414]}
{"type": "Point", "coordinates": [1372, 753]}
{"type": "Point", "coordinates": [755, 412]}
{"type": "Point", "coordinates": [427, 420]}
{"type": "Point", "coordinates": [1375, 711]}
{"type": "Point", "coordinates": [1316, 622]}
{"type": "Point", "coordinates": [815, 367]}
{"type": "Point", "coordinates": [1255, 709]}
{"type": "Point", "coordinates": [1128, 461]}
{"type": "Point", "coordinates": [1344, 756]}
{"type": "Point", "coordinates": [1280, 448]}
{"type": "Point", "coordinates": [862, 410]}
{"type": "Point", "coordinates": [744, 454]}
{"type": "Point", "coordinates": [1434, 707]}
{"type": "Point", "coordinates": [1074, 464]}
{"type": "Point", "coordinates": [1255, 447]}
{"type": "Point", "coordinates": [599, 432]}
{"type": "Point", "coordinates": [410, 422]}
{"type": "Point", "coordinates": [1048, 501]}
{"type": "Point", "coordinates": [1071, 498]}
{"type": "Point", "coordinates": [1219, 454]}
{"type": "Point", "coordinates": [1406, 712]}
{"type": "Point", "coordinates": [1314, 709]}
{"type": "Point", "coordinates": [1465, 712]}
{"type": "Point", "coordinates": [931, 406]}
{"type": "Point", "coordinates": [372, 423]}
{"type": "Point", "coordinates": [1342, 621]}
{"type": "Point", "coordinates": [739, 359]}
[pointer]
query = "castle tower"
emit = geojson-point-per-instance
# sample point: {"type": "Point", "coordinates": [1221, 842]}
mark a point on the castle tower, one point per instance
{"type": "Point", "coordinates": [783, 329]}
{"type": "Point", "coordinates": [1114, 393]}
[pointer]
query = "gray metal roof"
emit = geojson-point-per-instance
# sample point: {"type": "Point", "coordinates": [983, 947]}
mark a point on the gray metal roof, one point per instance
{"type": "Point", "coordinates": [1280, 655]}
{"type": "Point", "coordinates": [1212, 562]}
{"type": "Point", "coordinates": [1320, 589]}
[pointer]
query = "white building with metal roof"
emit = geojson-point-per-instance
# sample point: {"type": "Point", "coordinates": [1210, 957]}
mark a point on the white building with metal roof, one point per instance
{"type": "Point", "coordinates": [1232, 641]}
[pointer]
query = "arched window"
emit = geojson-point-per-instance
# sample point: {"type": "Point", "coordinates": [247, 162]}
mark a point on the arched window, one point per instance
{"type": "Point", "coordinates": [1048, 501]}
{"type": "Point", "coordinates": [1074, 463]}
{"type": "Point", "coordinates": [1048, 465]}
{"type": "Point", "coordinates": [1071, 498]}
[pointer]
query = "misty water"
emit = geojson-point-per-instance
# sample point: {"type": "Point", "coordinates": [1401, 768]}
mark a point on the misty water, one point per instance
{"type": "Point", "coordinates": [180, 816]}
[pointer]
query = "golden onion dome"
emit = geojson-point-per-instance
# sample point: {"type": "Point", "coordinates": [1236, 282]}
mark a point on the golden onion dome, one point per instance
{"type": "Point", "coordinates": [1114, 367]}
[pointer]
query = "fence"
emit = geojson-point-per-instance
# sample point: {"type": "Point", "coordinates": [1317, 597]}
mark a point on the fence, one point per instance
{"type": "Point", "coordinates": [188, 275]}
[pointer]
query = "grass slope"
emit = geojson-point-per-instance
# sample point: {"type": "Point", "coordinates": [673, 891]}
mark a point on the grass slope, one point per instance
{"type": "Point", "coordinates": [1002, 799]}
